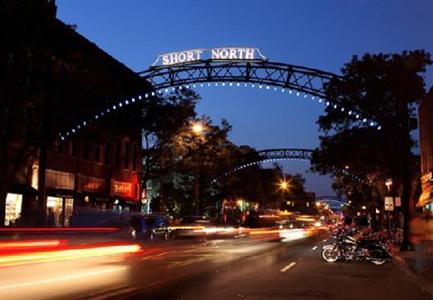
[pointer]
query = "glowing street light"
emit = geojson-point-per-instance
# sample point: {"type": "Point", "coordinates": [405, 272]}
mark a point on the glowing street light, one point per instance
{"type": "Point", "coordinates": [197, 128]}
{"type": "Point", "coordinates": [283, 185]}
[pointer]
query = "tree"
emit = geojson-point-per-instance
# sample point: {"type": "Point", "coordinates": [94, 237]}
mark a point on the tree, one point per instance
{"type": "Point", "coordinates": [384, 88]}
{"type": "Point", "coordinates": [203, 154]}
{"type": "Point", "coordinates": [162, 121]}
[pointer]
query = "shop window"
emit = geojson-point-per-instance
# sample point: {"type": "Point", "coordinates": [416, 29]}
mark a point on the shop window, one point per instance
{"type": "Point", "coordinates": [54, 211]}
{"type": "Point", "coordinates": [69, 208]}
{"type": "Point", "coordinates": [13, 208]}
{"type": "Point", "coordinates": [127, 153]}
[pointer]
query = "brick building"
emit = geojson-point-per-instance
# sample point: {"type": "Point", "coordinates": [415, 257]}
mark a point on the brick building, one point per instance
{"type": "Point", "coordinates": [98, 167]}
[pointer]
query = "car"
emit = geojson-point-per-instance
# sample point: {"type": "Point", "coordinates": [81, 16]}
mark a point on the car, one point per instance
{"type": "Point", "coordinates": [191, 226]}
{"type": "Point", "coordinates": [150, 227]}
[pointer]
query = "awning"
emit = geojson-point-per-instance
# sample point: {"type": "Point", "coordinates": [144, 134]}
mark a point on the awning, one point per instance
{"type": "Point", "coordinates": [426, 196]}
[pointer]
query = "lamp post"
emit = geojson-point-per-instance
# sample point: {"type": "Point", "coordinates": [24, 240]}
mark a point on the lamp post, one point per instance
{"type": "Point", "coordinates": [198, 129]}
{"type": "Point", "coordinates": [284, 186]}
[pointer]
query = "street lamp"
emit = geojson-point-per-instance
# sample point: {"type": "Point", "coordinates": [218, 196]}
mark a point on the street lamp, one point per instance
{"type": "Point", "coordinates": [283, 185]}
{"type": "Point", "coordinates": [197, 128]}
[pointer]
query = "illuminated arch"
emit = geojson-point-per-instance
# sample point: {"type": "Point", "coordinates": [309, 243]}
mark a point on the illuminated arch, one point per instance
{"type": "Point", "coordinates": [269, 155]}
{"type": "Point", "coordinates": [258, 73]}
{"type": "Point", "coordinates": [273, 155]}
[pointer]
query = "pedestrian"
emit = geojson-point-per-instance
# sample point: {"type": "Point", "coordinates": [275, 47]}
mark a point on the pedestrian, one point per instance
{"type": "Point", "coordinates": [51, 217]}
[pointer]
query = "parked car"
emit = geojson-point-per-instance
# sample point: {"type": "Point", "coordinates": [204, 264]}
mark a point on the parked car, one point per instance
{"type": "Point", "coordinates": [138, 226]}
{"type": "Point", "coordinates": [150, 227]}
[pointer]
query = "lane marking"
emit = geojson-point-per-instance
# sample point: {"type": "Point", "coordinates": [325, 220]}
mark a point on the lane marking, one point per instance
{"type": "Point", "coordinates": [114, 294]}
{"type": "Point", "coordinates": [157, 255]}
{"type": "Point", "coordinates": [286, 268]}
{"type": "Point", "coordinates": [314, 248]}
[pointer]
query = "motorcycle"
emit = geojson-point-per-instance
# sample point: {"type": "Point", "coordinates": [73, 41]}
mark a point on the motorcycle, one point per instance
{"type": "Point", "coordinates": [346, 247]}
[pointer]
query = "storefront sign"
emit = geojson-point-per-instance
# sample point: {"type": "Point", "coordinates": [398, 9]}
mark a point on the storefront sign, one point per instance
{"type": "Point", "coordinates": [230, 53]}
{"type": "Point", "coordinates": [389, 204]}
{"type": "Point", "coordinates": [397, 201]}
{"type": "Point", "coordinates": [119, 188]}
{"type": "Point", "coordinates": [92, 184]}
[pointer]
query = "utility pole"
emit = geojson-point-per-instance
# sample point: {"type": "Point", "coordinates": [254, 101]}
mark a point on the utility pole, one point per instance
{"type": "Point", "coordinates": [405, 159]}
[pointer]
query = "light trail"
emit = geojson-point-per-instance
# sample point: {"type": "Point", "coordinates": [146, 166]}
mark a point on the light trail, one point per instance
{"type": "Point", "coordinates": [60, 229]}
{"type": "Point", "coordinates": [31, 244]}
{"type": "Point", "coordinates": [67, 254]}
{"type": "Point", "coordinates": [63, 278]}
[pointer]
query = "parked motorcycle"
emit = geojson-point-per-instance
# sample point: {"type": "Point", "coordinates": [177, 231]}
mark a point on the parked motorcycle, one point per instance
{"type": "Point", "coordinates": [346, 247]}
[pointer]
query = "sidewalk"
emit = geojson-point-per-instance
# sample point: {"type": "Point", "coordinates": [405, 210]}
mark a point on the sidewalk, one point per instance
{"type": "Point", "coordinates": [418, 264]}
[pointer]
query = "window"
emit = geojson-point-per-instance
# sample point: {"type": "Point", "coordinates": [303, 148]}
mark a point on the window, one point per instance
{"type": "Point", "coordinates": [127, 153]}
{"type": "Point", "coordinates": [117, 153]}
{"type": "Point", "coordinates": [134, 157]}
{"type": "Point", "coordinates": [73, 147]}
{"type": "Point", "coordinates": [97, 150]}
{"type": "Point", "coordinates": [86, 150]}
{"type": "Point", "coordinates": [107, 153]}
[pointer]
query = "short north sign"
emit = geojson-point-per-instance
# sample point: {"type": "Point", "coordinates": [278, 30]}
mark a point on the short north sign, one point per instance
{"type": "Point", "coordinates": [231, 53]}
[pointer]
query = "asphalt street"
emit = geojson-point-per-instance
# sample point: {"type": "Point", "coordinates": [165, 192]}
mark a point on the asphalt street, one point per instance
{"type": "Point", "coordinates": [241, 268]}
{"type": "Point", "coordinates": [292, 271]}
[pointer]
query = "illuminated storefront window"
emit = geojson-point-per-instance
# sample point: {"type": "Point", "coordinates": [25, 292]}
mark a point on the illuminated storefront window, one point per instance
{"type": "Point", "coordinates": [13, 208]}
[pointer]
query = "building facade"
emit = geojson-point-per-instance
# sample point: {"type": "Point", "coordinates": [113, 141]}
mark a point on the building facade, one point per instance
{"type": "Point", "coordinates": [96, 168]}
{"type": "Point", "coordinates": [426, 151]}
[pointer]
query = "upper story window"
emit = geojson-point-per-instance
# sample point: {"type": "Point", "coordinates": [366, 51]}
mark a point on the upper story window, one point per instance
{"type": "Point", "coordinates": [134, 158]}
{"type": "Point", "coordinates": [127, 154]}
{"type": "Point", "coordinates": [107, 153]}
{"type": "Point", "coordinates": [73, 147]}
{"type": "Point", "coordinates": [97, 152]}
{"type": "Point", "coordinates": [86, 150]}
{"type": "Point", "coordinates": [117, 153]}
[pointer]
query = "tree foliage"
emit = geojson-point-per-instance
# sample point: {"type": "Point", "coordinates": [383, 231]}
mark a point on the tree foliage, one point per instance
{"type": "Point", "coordinates": [384, 88]}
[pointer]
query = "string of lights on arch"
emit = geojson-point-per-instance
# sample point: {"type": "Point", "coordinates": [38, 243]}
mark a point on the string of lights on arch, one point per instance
{"type": "Point", "coordinates": [165, 91]}
{"type": "Point", "coordinates": [259, 162]}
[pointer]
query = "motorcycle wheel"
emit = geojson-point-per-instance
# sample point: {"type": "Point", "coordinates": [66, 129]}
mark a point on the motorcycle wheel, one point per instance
{"type": "Point", "coordinates": [378, 261]}
{"type": "Point", "coordinates": [329, 255]}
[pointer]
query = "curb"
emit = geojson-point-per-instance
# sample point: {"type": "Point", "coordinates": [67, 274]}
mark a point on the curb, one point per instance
{"type": "Point", "coordinates": [401, 264]}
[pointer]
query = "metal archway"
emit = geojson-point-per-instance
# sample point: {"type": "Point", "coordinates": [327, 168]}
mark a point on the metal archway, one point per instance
{"type": "Point", "coordinates": [230, 72]}
{"type": "Point", "coordinates": [268, 155]}
{"type": "Point", "coordinates": [262, 72]}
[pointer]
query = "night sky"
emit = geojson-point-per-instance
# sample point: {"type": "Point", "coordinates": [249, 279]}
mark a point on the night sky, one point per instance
{"type": "Point", "coordinates": [319, 34]}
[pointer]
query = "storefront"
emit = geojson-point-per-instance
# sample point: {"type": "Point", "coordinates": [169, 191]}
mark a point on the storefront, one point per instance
{"type": "Point", "coordinates": [93, 192]}
{"type": "Point", "coordinates": [60, 197]}
{"type": "Point", "coordinates": [14, 204]}
{"type": "Point", "coordinates": [125, 195]}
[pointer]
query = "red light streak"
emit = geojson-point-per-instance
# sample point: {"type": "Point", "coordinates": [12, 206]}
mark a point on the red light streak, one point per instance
{"type": "Point", "coordinates": [68, 253]}
{"type": "Point", "coordinates": [61, 229]}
